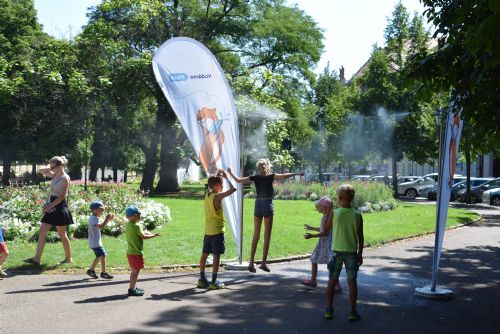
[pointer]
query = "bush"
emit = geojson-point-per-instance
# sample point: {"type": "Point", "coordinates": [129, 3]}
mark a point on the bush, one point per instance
{"type": "Point", "coordinates": [21, 210]}
{"type": "Point", "coordinates": [370, 197]}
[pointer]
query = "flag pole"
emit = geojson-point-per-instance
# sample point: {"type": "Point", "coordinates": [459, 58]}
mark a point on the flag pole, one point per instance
{"type": "Point", "coordinates": [242, 169]}
{"type": "Point", "coordinates": [431, 292]}
{"type": "Point", "coordinates": [240, 265]}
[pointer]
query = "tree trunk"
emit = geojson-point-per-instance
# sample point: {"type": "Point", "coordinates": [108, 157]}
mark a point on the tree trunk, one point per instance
{"type": "Point", "coordinates": [395, 176]}
{"type": "Point", "coordinates": [103, 173]}
{"type": "Point", "coordinates": [33, 171]}
{"type": "Point", "coordinates": [7, 165]}
{"type": "Point", "coordinates": [149, 172]}
{"type": "Point", "coordinates": [320, 172]}
{"type": "Point", "coordinates": [93, 172]}
{"type": "Point", "coordinates": [169, 157]}
{"type": "Point", "coordinates": [125, 174]}
{"type": "Point", "coordinates": [115, 175]}
{"type": "Point", "coordinates": [76, 172]}
{"type": "Point", "coordinates": [467, 167]}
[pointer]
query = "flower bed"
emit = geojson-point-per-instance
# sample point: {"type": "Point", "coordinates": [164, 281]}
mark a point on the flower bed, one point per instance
{"type": "Point", "coordinates": [20, 209]}
{"type": "Point", "coordinates": [370, 197]}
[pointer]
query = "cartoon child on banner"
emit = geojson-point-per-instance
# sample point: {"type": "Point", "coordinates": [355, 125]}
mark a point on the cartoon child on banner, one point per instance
{"type": "Point", "coordinates": [213, 138]}
{"type": "Point", "coordinates": [454, 128]}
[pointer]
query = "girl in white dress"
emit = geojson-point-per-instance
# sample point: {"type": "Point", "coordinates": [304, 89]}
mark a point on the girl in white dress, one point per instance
{"type": "Point", "coordinates": [322, 254]}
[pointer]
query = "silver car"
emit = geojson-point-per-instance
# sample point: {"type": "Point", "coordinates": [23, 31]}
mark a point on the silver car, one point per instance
{"type": "Point", "coordinates": [414, 188]}
{"type": "Point", "coordinates": [492, 196]}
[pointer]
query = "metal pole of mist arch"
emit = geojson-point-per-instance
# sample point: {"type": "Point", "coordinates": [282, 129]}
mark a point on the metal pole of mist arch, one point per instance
{"type": "Point", "coordinates": [432, 292]}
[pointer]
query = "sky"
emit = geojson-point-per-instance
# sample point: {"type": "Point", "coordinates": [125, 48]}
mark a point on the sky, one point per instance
{"type": "Point", "coordinates": [350, 27]}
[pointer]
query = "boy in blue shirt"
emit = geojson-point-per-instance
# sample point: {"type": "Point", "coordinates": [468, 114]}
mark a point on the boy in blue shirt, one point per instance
{"type": "Point", "coordinates": [95, 242]}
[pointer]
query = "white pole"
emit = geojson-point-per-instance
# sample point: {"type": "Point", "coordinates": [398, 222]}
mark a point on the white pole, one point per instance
{"type": "Point", "coordinates": [242, 169]}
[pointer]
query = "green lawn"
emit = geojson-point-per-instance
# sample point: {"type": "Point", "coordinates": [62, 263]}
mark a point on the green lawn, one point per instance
{"type": "Point", "coordinates": [182, 238]}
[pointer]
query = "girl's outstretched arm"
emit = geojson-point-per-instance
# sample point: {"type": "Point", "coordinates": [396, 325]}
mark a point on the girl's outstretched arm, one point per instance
{"type": "Point", "coordinates": [236, 178]}
{"type": "Point", "coordinates": [287, 175]}
{"type": "Point", "coordinates": [308, 227]}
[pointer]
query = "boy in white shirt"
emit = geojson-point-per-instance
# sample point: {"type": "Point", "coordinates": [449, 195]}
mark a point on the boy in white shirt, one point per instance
{"type": "Point", "coordinates": [95, 242]}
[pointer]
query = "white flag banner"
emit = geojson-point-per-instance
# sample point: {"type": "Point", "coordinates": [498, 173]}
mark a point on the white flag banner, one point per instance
{"type": "Point", "coordinates": [197, 89]}
{"type": "Point", "coordinates": [447, 164]}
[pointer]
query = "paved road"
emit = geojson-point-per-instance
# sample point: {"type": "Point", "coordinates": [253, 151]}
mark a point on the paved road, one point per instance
{"type": "Point", "coordinates": [275, 302]}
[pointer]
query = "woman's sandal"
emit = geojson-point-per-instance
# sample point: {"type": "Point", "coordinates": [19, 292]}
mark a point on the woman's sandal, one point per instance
{"type": "Point", "coordinates": [251, 268]}
{"type": "Point", "coordinates": [31, 261]}
{"type": "Point", "coordinates": [265, 268]}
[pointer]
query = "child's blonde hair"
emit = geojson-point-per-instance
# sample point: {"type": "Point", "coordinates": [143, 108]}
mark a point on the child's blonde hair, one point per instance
{"type": "Point", "coordinates": [263, 167]}
{"type": "Point", "coordinates": [346, 191]}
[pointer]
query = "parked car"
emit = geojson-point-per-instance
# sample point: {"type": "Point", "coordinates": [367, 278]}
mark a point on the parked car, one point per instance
{"type": "Point", "coordinates": [474, 182]}
{"type": "Point", "coordinates": [404, 179]}
{"type": "Point", "coordinates": [477, 192]}
{"type": "Point", "coordinates": [379, 178]}
{"type": "Point", "coordinates": [492, 196]}
{"type": "Point", "coordinates": [359, 177]}
{"type": "Point", "coordinates": [427, 191]}
{"type": "Point", "coordinates": [327, 177]}
{"type": "Point", "coordinates": [414, 188]}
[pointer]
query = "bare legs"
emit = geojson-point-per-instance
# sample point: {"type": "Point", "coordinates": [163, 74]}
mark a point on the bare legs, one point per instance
{"type": "Point", "coordinates": [102, 259]}
{"type": "Point", "coordinates": [353, 292]}
{"type": "Point", "coordinates": [257, 224]}
{"type": "Point", "coordinates": [314, 271]}
{"type": "Point", "coordinates": [268, 228]}
{"type": "Point", "coordinates": [42, 238]}
{"type": "Point", "coordinates": [61, 230]}
{"type": "Point", "coordinates": [133, 278]}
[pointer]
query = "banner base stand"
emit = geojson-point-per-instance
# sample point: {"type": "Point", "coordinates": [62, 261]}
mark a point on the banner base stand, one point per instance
{"type": "Point", "coordinates": [236, 266]}
{"type": "Point", "coordinates": [438, 294]}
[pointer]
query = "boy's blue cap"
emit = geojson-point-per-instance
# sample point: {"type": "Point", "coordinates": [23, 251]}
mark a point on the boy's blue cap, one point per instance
{"type": "Point", "coordinates": [96, 205]}
{"type": "Point", "coordinates": [132, 210]}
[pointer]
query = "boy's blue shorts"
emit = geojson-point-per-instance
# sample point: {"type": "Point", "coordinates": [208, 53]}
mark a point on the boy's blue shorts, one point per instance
{"type": "Point", "coordinates": [99, 251]}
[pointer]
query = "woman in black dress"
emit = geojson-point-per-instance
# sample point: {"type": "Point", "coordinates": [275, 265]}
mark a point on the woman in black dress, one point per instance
{"type": "Point", "coordinates": [264, 208]}
{"type": "Point", "coordinates": [56, 211]}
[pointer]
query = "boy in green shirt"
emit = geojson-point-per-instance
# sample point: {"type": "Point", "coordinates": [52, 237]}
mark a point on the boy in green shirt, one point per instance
{"type": "Point", "coordinates": [348, 240]}
{"type": "Point", "coordinates": [135, 236]}
{"type": "Point", "coordinates": [214, 229]}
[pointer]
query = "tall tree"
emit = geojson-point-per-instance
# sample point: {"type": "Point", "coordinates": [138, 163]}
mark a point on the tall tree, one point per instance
{"type": "Point", "coordinates": [242, 34]}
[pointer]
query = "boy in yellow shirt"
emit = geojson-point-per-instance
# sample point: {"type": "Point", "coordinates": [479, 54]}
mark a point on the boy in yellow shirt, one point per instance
{"type": "Point", "coordinates": [214, 229]}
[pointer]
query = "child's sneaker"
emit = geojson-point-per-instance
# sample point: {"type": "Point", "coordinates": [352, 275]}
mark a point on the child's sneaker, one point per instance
{"type": "Point", "coordinates": [135, 292]}
{"type": "Point", "coordinates": [106, 276]}
{"type": "Point", "coordinates": [92, 273]}
{"type": "Point", "coordinates": [354, 316]}
{"type": "Point", "coordinates": [328, 314]}
{"type": "Point", "coordinates": [202, 283]}
{"type": "Point", "coordinates": [3, 274]}
{"type": "Point", "coordinates": [216, 285]}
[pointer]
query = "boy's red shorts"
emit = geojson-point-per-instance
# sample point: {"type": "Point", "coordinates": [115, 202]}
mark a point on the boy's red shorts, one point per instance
{"type": "Point", "coordinates": [3, 248]}
{"type": "Point", "coordinates": [135, 261]}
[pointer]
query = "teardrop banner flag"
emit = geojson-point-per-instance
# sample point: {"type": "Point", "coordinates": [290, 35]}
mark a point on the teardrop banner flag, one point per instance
{"type": "Point", "coordinates": [451, 131]}
{"type": "Point", "coordinates": [447, 165]}
{"type": "Point", "coordinates": [197, 89]}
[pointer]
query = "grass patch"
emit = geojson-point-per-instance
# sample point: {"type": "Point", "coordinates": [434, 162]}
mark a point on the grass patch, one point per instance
{"type": "Point", "coordinates": [182, 238]}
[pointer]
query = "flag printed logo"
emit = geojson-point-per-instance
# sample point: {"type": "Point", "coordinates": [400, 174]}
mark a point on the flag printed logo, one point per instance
{"type": "Point", "coordinates": [213, 138]}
